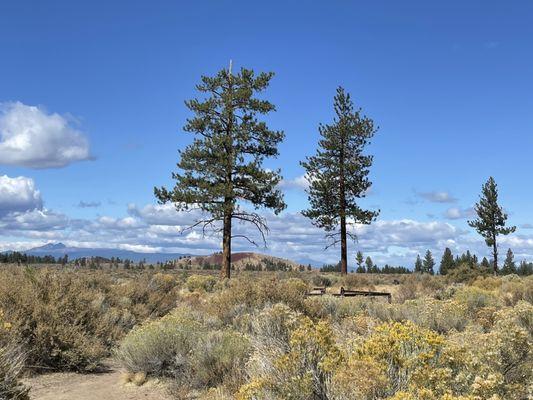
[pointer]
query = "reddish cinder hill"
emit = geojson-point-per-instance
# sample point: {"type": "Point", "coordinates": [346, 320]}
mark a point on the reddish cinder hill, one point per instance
{"type": "Point", "coordinates": [242, 261]}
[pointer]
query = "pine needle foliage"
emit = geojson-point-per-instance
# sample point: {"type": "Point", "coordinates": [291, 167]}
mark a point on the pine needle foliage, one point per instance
{"type": "Point", "coordinates": [223, 167]}
{"type": "Point", "coordinates": [491, 218]}
{"type": "Point", "coordinates": [338, 174]}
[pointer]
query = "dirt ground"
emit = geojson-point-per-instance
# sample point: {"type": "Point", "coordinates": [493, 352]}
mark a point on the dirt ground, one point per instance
{"type": "Point", "coordinates": [102, 386]}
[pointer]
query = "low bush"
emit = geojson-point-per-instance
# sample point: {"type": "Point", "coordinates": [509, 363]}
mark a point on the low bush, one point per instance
{"type": "Point", "coordinates": [299, 368]}
{"type": "Point", "coordinates": [205, 283]}
{"type": "Point", "coordinates": [217, 359]}
{"type": "Point", "coordinates": [438, 315]}
{"type": "Point", "coordinates": [474, 298]}
{"type": "Point", "coordinates": [161, 347]}
{"type": "Point", "coordinates": [466, 274]}
{"type": "Point", "coordinates": [184, 347]}
{"type": "Point", "coordinates": [70, 320]}
{"type": "Point", "coordinates": [336, 308]}
{"type": "Point", "coordinates": [357, 281]}
{"type": "Point", "coordinates": [57, 318]}
{"type": "Point", "coordinates": [321, 281]}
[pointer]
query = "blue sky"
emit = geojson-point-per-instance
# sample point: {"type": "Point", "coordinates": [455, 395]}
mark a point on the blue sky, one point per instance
{"type": "Point", "coordinates": [449, 84]}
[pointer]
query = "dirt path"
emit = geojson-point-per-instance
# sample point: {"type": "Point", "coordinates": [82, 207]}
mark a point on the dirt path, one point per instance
{"type": "Point", "coordinates": [102, 386]}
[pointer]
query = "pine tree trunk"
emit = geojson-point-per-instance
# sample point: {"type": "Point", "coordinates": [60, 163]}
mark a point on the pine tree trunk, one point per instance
{"type": "Point", "coordinates": [225, 272]}
{"type": "Point", "coordinates": [228, 205]}
{"type": "Point", "coordinates": [344, 247]}
{"type": "Point", "coordinates": [495, 255]}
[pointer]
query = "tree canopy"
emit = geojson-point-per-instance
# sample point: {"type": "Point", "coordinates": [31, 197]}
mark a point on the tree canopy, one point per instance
{"type": "Point", "coordinates": [491, 218]}
{"type": "Point", "coordinates": [223, 167]}
{"type": "Point", "coordinates": [338, 174]}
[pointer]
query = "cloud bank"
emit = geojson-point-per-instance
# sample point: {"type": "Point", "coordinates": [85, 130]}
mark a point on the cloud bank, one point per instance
{"type": "Point", "coordinates": [437, 197]}
{"type": "Point", "coordinates": [31, 137]}
{"type": "Point", "coordinates": [160, 228]}
{"type": "Point", "coordinates": [18, 194]}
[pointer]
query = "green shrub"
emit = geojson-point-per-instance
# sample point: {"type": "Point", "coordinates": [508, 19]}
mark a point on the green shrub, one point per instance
{"type": "Point", "coordinates": [474, 298]}
{"type": "Point", "coordinates": [321, 281]}
{"type": "Point", "coordinates": [356, 282]}
{"type": "Point", "coordinates": [514, 289]}
{"type": "Point", "coordinates": [204, 283]}
{"type": "Point", "coordinates": [57, 317]}
{"type": "Point", "coordinates": [438, 315]}
{"type": "Point", "coordinates": [161, 347]}
{"type": "Point", "coordinates": [336, 308]}
{"type": "Point", "coordinates": [465, 273]}
{"type": "Point", "coordinates": [294, 360]}
{"type": "Point", "coordinates": [217, 359]}
{"type": "Point", "coordinates": [184, 347]}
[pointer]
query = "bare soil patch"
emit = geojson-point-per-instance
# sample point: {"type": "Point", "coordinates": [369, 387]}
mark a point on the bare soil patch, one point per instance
{"type": "Point", "coordinates": [107, 385]}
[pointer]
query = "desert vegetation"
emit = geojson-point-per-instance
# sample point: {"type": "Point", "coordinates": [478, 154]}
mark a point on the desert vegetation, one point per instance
{"type": "Point", "coordinates": [462, 334]}
{"type": "Point", "coordinates": [258, 336]}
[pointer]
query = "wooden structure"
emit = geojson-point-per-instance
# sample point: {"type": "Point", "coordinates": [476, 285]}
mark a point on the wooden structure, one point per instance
{"type": "Point", "coordinates": [317, 291]}
{"type": "Point", "coordinates": [320, 291]}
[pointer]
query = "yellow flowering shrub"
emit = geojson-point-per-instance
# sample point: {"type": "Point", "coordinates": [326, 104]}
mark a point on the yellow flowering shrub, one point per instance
{"type": "Point", "coordinates": [359, 378]}
{"type": "Point", "coordinates": [495, 364]}
{"type": "Point", "coordinates": [205, 283]}
{"type": "Point", "coordinates": [293, 359]}
{"type": "Point", "coordinates": [404, 350]}
{"type": "Point", "coordinates": [475, 298]}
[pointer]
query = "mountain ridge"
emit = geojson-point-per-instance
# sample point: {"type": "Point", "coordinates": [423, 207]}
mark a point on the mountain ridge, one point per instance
{"type": "Point", "coordinates": [60, 249]}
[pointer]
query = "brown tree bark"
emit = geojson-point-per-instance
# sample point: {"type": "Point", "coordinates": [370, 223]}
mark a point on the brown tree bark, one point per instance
{"type": "Point", "coordinates": [344, 245]}
{"type": "Point", "coordinates": [225, 271]}
{"type": "Point", "coordinates": [495, 256]}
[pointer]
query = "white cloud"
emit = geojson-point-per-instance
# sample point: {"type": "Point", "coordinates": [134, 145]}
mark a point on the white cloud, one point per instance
{"type": "Point", "coordinates": [34, 220]}
{"type": "Point", "coordinates": [164, 214]}
{"type": "Point", "coordinates": [160, 228]}
{"type": "Point", "coordinates": [30, 137]}
{"type": "Point", "coordinates": [459, 213]}
{"type": "Point", "coordinates": [298, 183]}
{"type": "Point", "coordinates": [18, 194]}
{"type": "Point", "coordinates": [437, 197]}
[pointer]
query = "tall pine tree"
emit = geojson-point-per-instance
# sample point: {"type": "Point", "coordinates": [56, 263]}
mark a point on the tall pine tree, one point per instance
{"type": "Point", "coordinates": [491, 218]}
{"type": "Point", "coordinates": [338, 174]}
{"type": "Point", "coordinates": [428, 263]}
{"type": "Point", "coordinates": [485, 265]}
{"type": "Point", "coordinates": [369, 265]}
{"type": "Point", "coordinates": [509, 266]}
{"type": "Point", "coordinates": [446, 263]}
{"type": "Point", "coordinates": [359, 260]}
{"type": "Point", "coordinates": [419, 266]}
{"type": "Point", "coordinates": [223, 167]}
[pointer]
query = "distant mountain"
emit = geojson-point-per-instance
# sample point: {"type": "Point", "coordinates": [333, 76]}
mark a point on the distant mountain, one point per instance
{"type": "Point", "coordinates": [59, 250]}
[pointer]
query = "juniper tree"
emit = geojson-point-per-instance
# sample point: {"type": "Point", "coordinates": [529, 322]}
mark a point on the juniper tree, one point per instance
{"type": "Point", "coordinates": [485, 264]}
{"type": "Point", "coordinates": [369, 264]}
{"type": "Point", "coordinates": [359, 260]}
{"type": "Point", "coordinates": [446, 263]}
{"type": "Point", "coordinates": [491, 219]}
{"type": "Point", "coordinates": [509, 266]}
{"type": "Point", "coordinates": [223, 167]}
{"type": "Point", "coordinates": [428, 263]}
{"type": "Point", "coordinates": [419, 267]}
{"type": "Point", "coordinates": [338, 174]}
